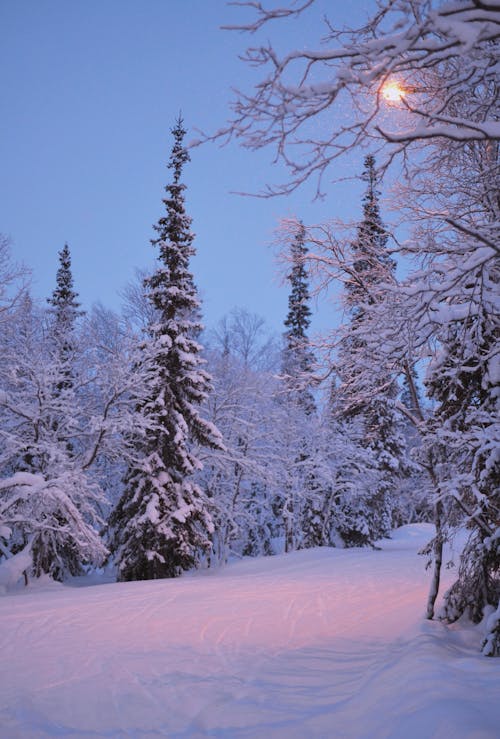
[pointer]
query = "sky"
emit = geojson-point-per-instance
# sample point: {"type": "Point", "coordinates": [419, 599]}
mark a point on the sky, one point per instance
{"type": "Point", "coordinates": [90, 91]}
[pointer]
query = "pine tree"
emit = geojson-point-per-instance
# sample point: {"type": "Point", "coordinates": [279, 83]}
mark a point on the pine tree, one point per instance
{"type": "Point", "coordinates": [162, 525]}
{"type": "Point", "coordinates": [367, 392]}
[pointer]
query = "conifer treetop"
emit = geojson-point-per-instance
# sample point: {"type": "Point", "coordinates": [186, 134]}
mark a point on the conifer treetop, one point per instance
{"type": "Point", "coordinates": [171, 287]}
{"type": "Point", "coordinates": [298, 359]}
{"type": "Point", "coordinates": [64, 307]}
{"type": "Point", "coordinates": [298, 317]}
{"type": "Point", "coordinates": [372, 263]}
{"type": "Point", "coordinates": [64, 298]}
{"type": "Point", "coordinates": [175, 225]}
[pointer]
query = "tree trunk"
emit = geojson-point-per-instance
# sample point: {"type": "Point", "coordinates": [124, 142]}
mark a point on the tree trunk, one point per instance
{"type": "Point", "coordinates": [289, 525]}
{"type": "Point", "coordinates": [438, 559]}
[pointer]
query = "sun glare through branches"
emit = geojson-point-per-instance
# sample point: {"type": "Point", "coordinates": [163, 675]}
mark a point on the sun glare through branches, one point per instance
{"type": "Point", "coordinates": [393, 91]}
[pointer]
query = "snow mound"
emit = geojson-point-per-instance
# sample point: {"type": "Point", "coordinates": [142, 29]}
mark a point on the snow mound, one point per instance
{"type": "Point", "coordinates": [11, 570]}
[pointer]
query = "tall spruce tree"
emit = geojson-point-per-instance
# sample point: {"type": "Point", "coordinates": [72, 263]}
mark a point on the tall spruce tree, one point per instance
{"type": "Point", "coordinates": [367, 392]}
{"type": "Point", "coordinates": [162, 524]}
{"type": "Point", "coordinates": [371, 263]}
{"type": "Point", "coordinates": [64, 312]}
{"type": "Point", "coordinates": [298, 359]}
{"type": "Point", "coordinates": [64, 303]}
{"type": "Point", "coordinates": [301, 496]}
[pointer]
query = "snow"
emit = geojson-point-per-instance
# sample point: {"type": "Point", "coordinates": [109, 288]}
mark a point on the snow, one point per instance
{"type": "Point", "coordinates": [11, 570]}
{"type": "Point", "coordinates": [492, 623]}
{"type": "Point", "coordinates": [23, 479]}
{"type": "Point", "coordinates": [317, 643]}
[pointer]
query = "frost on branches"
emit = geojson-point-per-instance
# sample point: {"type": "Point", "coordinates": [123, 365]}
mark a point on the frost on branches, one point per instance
{"type": "Point", "coordinates": [437, 51]}
{"type": "Point", "coordinates": [238, 482]}
{"type": "Point", "coordinates": [48, 504]}
{"type": "Point", "coordinates": [162, 525]}
{"type": "Point", "coordinates": [443, 131]}
{"type": "Point", "coordinates": [297, 357]}
{"type": "Point", "coordinates": [301, 498]}
{"type": "Point", "coordinates": [367, 390]}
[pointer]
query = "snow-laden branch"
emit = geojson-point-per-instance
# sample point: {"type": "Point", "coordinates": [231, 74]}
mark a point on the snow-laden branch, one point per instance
{"type": "Point", "coordinates": [440, 52]}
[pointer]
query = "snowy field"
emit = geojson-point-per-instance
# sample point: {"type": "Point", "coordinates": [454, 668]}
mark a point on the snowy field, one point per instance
{"type": "Point", "coordinates": [319, 643]}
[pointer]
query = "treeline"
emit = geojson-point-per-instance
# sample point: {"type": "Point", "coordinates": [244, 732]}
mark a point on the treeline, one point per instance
{"type": "Point", "coordinates": [161, 449]}
{"type": "Point", "coordinates": [143, 440]}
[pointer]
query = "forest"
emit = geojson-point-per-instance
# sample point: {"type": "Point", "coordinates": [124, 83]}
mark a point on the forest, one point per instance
{"type": "Point", "coordinates": [143, 443]}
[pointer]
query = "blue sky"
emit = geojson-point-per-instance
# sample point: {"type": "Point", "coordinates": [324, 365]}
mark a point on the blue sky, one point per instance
{"type": "Point", "coordinates": [90, 90]}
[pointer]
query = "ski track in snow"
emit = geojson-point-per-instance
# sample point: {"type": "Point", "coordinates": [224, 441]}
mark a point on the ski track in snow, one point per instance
{"type": "Point", "coordinates": [318, 643]}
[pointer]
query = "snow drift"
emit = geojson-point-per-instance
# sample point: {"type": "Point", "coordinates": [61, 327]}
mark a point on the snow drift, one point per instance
{"type": "Point", "coordinates": [317, 643]}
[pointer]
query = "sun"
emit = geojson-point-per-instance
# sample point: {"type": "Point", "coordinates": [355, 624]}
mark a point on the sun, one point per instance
{"type": "Point", "coordinates": [393, 91]}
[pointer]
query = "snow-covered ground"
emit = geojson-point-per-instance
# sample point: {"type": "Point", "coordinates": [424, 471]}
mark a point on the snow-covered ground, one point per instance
{"type": "Point", "coordinates": [319, 643]}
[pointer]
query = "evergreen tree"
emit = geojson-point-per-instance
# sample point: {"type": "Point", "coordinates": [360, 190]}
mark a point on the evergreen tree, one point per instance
{"type": "Point", "coordinates": [367, 392]}
{"type": "Point", "coordinates": [371, 262]}
{"type": "Point", "coordinates": [64, 312]}
{"type": "Point", "coordinates": [65, 307]}
{"type": "Point", "coordinates": [298, 359]}
{"type": "Point", "coordinates": [48, 503]}
{"type": "Point", "coordinates": [301, 496]}
{"type": "Point", "coordinates": [162, 524]}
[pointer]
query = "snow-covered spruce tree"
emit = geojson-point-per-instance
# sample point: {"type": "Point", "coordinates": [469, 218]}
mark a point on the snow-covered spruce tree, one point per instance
{"type": "Point", "coordinates": [64, 306]}
{"type": "Point", "coordinates": [64, 312]}
{"type": "Point", "coordinates": [367, 393]}
{"type": "Point", "coordinates": [162, 525]}
{"type": "Point", "coordinates": [48, 505]}
{"type": "Point", "coordinates": [301, 495]}
{"type": "Point", "coordinates": [297, 357]}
